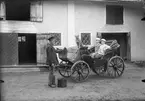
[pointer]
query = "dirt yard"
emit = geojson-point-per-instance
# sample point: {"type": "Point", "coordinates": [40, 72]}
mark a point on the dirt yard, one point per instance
{"type": "Point", "coordinates": [32, 86]}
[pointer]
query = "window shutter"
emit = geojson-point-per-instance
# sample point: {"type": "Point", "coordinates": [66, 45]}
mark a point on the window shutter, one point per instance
{"type": "Point", "coordinates": [2, 11]}
{"type": "Point", "coordinates": [37, 11]}
{"type": "Point", "coordinates": [114, 14]}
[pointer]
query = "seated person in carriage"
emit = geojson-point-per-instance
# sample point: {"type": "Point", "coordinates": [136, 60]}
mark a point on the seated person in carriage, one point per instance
{"type": "Point", "coordinates": [101, 51]}
{"type": "Point", "coordinates": [97, 46]}
{"type": "Point", "coordinates": [100, 48]}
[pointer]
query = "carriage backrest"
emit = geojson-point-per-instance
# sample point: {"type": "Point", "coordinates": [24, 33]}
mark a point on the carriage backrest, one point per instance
{"type": "Point", "coordinates": [114, 46]}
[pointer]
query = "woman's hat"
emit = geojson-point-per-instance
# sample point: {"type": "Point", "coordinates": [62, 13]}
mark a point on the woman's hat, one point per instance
{"type": "Point", "coordinates": [98, 39]}
{"type": "Point", "coordinates": [103, 40]}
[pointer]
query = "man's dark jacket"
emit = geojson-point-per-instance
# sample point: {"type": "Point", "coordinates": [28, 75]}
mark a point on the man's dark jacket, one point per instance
{"type": "Point", "coordinates": [51, 55]}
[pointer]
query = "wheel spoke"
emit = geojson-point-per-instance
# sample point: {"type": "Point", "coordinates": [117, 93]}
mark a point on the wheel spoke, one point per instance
{"type": "Point", "coordinates": [75, 72]}
{"type": "Point", "coordinates": [119, 69]}
{"type": "Point", "coordinates": [67, 73]}
{"type": "Point", "coordinates": [82, 75]}
{"type": "Point", "coordinates": [117, 72]}
{"type": "Point", "coordinates": [79, 77]}
{"type": "Point", "coordinates": [118, 65]}
{"type": "Point", "coordinates": [76, 76]}
{"type": "Point", "coordinates": [111, 72]}
{"type": "Point", "coordinates": [85, 70]}
{"type": "Point", "coordinates": [112, 64]}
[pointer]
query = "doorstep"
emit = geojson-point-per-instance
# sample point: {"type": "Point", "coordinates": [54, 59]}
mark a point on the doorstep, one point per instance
{"type": "Point", "coordinates": [21, 68]}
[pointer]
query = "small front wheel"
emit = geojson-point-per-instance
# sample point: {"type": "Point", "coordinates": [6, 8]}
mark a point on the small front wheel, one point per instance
{"type": "Point", "coordinates": [80, 71]}
{"type": "Point", "coordinates": [64, 70]}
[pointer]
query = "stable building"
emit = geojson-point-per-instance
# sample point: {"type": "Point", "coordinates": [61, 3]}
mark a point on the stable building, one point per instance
{"type": "Point", "coordinates": [26, 24]}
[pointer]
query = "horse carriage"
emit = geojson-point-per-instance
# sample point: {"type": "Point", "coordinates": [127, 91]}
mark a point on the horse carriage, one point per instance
{"type": "Point", "coordinates": [79, 68]}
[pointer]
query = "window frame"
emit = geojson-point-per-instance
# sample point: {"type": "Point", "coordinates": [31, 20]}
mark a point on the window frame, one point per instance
{"type": "Point", "coordinates": [81, 34]}
{"type": "Point", "coordinates": [30, 20]}
{"type": "Point", "coordinates": [113, 19]}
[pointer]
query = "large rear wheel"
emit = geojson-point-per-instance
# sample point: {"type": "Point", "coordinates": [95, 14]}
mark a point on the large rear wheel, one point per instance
{"type": "Point", "coordinates": [115, 66]}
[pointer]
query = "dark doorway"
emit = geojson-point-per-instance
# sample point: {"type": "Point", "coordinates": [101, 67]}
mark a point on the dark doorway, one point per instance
{"type": "Point", "coordinates": [18, 10]}
{"type": "Point", "coordinates": [27, 48]}
{"type": "Point", "coordinates": [121, 39]}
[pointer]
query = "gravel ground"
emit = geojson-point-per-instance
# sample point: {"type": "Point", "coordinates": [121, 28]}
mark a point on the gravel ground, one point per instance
{"type": "Point", "coordinates": [32, 86]}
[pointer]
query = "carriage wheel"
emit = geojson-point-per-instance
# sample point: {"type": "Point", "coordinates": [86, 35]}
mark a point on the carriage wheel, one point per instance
{"type": "Point", "coordinates": [64, 70]}
{"type": "Point", "coordinates": [115, 66]}
{"type": "Point", "coordinates": [80, 71]}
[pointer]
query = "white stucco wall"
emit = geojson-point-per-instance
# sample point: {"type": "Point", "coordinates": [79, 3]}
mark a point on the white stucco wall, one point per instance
{"type": "Point", "coordinates": [85, 17]}
{"type": "Point", "coordinates": [89, 18]}
{"type": "Point", "coordinates": [132, 18]}
{"type": "Point", "coordinates": [54, 19]}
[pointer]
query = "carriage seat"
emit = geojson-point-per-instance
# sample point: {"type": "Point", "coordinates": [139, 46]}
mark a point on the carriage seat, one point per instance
{"type": "Point", "coordinates": [110, 52]}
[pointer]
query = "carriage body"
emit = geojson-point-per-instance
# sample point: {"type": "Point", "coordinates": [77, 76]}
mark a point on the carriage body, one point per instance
{"type": "Point", "coordinates": [74, 64]}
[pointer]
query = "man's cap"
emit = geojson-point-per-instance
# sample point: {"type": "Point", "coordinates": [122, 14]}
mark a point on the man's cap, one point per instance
{"type": "Point", "coordinates": [98, 39]}
{"type": "Point", "coordinates": [103, 40]}
{"type": "Point", "coordinates": [50, 38]}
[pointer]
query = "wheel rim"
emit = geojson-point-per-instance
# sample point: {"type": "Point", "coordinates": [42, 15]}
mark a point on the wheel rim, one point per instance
{"type": "Point", "coordinates": [115, 67]}
{"type": "Point", "coordinates": [64, 71]}
{"type": "Point", "coordinates": [80, 71]}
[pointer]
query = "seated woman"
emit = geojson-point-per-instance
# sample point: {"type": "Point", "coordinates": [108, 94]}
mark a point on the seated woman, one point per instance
{"type": "Point", "coordinates": [102, 49]}
{"type": "Point", "coordinates": [89, 58]}
{"type": "Point", "coordinates": [97, 46]}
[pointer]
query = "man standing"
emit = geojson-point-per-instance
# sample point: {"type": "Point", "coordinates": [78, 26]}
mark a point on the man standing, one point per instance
{"type": "Point", "coordinates": [51, 60]}
{"type": "Point", "coordinates": [51, 52]}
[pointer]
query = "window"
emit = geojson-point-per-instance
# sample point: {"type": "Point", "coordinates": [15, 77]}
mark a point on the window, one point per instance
{"type": "Point", "coordinates": [114, 14]}
{"type": "Point", "coordinates": [21, 10]}
{"type": "Point", "coordinates": [86, 38]}
{"type": "Point", "coordinates": [18, 10]}
{"type": "Point", "coordinates": [44, 37]}
{"type": "Point", "coordinates": [57, 40]}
